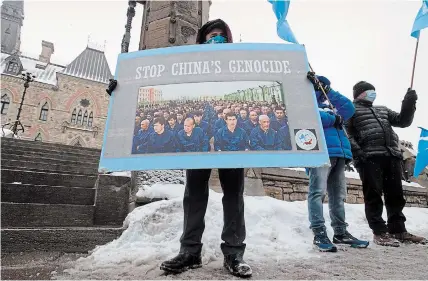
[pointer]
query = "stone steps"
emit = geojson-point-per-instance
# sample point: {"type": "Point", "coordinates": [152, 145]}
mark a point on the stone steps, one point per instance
{"type": "Point", "coordinates": [48, 146]}
{"type": "Point", "coordinates": [44, 178]}
{"type": "Point", "coordinates": [46, 151]}
{"type": "Point", "coordinates": [45, 215]}
{"type": "Point", "coordinates": [82, 169]}
{"type": "Point", "coordinates": [39, 159]}
{"type": "Point", "coordinates": [45, 194]}
{"type": "Point", "coordinates": [16, 153]}
{"type": "Point", "coordinates": [63, 239]}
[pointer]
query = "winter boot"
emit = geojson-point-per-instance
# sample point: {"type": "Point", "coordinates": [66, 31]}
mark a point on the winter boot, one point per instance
{"type": "Point", "coordinates": [323, 243]}
{"type": "Point", "coordinates": [348, 239]}
{"type": "Point", "coordinates": [410, 238]}
{"type": "Point", "coordinates": [385, 239]}
{"type": "Point", "coordinates": [181, 263]}
{"type": "Point", "coordinates": [237, 266]}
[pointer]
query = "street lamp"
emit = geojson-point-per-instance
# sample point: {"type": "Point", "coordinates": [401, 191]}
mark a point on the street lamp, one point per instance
{"type": "Point", "coordinates": [28, 78]}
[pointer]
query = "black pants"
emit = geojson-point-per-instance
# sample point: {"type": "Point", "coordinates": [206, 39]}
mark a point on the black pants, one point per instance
{"type": "Point", "coordinates": [195, 205]}
{"type": "Point", "coordinates": [383, 174]}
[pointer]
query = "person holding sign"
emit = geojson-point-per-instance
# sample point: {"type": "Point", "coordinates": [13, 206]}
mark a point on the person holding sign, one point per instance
{"type": "Point", "coordinates": [231, 137]}
{"type": "Point", "coordinates": [331, 178]}
{"type": "Point", "coordinates": [377, 157]}
{"type": "Point", "coordinates": [196, 193]}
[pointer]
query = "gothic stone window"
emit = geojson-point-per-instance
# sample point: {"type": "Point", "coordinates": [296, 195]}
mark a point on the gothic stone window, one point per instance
{"type": "Point", "coordinates": [85, 118]}
{"type": "Point", "coordinates": [73, 117]}
{"type": "Point", "coordinates": [90, 120]}
{"type": "Point", "coordinates": [79, 117]}
{"type": "Point", "coordinates": [12, 67]}
{"type": "Point", "coordinates": [44, 112]}
{"type": "Point", "coordinates": [38, 137]}
{"type": "Point", "coordinates": [5, 102]}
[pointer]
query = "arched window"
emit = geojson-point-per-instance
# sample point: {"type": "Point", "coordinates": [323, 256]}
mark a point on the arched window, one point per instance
{"type": "Point", "coordinates": [78, 143]}
{"type": "Point", "coordinates": [79, 117]}
{"type": "Point", "coordinates": [85, 118]}
{"type": "Point", "coordinates": [91, 119]}
{"type": "Point", "coordinates": [44, 112]}
{"type": "Point", "coordinates": [73, 117]}
{"type": "Point", "coordinates": [5, 101]}
{"type": "Point", "coordinates": [38, 137]}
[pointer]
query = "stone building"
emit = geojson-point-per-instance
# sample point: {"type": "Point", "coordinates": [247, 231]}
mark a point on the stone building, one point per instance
{"type": "Point", "coordinates": [65, 103]}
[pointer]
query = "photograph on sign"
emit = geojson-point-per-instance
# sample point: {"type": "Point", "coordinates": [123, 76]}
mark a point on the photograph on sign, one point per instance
{"type": "Point", "coordinates": [211, 117]}
{"type": "Point", "coordinates": [213, 106]}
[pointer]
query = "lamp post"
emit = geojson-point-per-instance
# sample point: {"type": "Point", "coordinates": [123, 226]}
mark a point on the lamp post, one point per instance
{"type": "Point", "coordinates": [28, 78]}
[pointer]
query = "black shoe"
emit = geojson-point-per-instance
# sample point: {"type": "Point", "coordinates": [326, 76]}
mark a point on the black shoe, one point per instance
{"type": "Point", "coordinates": [237, 266]}
{"type": "Point", "coordinates": [348, 239]}
{"type": "Point", "coordinates": [323, 243]}
{"type": "Point", "coordinates": [181, 263]}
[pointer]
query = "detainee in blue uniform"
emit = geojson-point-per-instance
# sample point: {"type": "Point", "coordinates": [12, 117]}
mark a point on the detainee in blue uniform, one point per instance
{"type": "Point", "coordinates": [197, 116]}
{"type": "Point", "coordinates": [280, 119]}
{"type": "Point", "coordinates": [242, 118]}
{"type": "Point", "coordinates": [161, 140]}
{"type": "Point", "coordinates": [230, 137]}
{"type": "Point", "coordinates": [331, 179]}
{"type": "Point", "coordinates": [172, 124]}
{"type": "Point", "coordinates": [284, 137]}
{"type": "Point", "coordinates": [141, 138]}
{"type": "Point", "coordinates": [191, 138]}
{"type": "Point", "coordinates": [251, 123]}
{"type": "Point", "coordinates": [180, 121]}
{"type": "Point", "coordinates": [264, 138]}
{"type": "Point", "coordinates": [220, 123]}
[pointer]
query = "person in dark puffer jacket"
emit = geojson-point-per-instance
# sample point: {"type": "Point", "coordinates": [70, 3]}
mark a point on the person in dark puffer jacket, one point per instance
{"type": "Point", "coordinates": [377, 157]}
{"type": "Point", "coordinates": [331, 179]}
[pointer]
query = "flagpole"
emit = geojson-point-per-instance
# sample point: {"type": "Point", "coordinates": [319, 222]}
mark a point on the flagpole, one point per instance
{"type": "Point", "coordinates": [414, 63]}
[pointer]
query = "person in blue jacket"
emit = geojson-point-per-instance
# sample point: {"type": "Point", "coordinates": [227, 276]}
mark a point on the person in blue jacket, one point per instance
{"type": "Point", "coordinates": [284, 137]}
{"type": "Point", "coordinates": [197, 116]}
{"type": "Point", "coordinates": [191, 138]}
{"type": "Point", "coordinates": [142, 137]}
{"type": "Point", "coordinates": [264, 138]}
{"type": "Point", "coordinates": [331, 179]}
{"type": "Point", "coordinates": [230, 137]}
{"type": "Point", "coordinates": [280, 119]}
{"type": "Point", "coordinates": [242, 118]}
{"type": "Point", "coordinates": [172, 124]}
{"type": "Point", "coordinates": [180, 121]}
{"type": "Point", "coordinates": [251, 123]}
{"type": "Point", "coordinates": [161, 140]}
{"type": "Point", "coordinates": [221, 122]}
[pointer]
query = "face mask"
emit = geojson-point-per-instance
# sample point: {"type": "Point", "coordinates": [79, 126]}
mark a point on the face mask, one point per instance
{"type": "Point", "coordinates": [370, 95]}
{"type": "Point", "coordinates": [216, 40]}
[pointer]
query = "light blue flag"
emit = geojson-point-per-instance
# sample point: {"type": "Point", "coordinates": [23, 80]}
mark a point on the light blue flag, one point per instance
{"type": "Point", "coordinates": [422, 156]}
{"type": "Point", "coordinates": [421, 20]}
{"type": "Point", "coordinates": [283, 29]}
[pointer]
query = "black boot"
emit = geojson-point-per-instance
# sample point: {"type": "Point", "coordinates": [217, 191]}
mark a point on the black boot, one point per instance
{"type": "Point", "coordinates": [181, 263]}
{"type": "Point", "coordinates": [237, 266]}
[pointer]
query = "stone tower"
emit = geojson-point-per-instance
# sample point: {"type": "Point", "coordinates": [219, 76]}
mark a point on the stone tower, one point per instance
{"type": "Point", "coordinates": [167, 23]}
{"type": "Point", "coordinates": [12, 18]}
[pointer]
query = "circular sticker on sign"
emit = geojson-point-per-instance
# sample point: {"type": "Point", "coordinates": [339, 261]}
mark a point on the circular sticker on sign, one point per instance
{"type": "Point", "coordinates": [306, 140]}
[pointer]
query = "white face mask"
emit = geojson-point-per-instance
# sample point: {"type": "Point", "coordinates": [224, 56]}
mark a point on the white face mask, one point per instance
{"type": "Point", "coordinates": [370, 95]}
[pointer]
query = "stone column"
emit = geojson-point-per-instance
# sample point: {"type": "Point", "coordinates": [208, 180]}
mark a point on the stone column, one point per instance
{"type": "Point", "coordinates": [172, 23]}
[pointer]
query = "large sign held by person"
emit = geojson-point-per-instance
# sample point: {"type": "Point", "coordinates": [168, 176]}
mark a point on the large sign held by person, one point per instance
{"type": "Point", "coordinates": [213, 106]}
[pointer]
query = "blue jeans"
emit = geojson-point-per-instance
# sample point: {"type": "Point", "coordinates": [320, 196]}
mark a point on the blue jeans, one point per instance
{"type": "Point", "coordinates": [333, 180]}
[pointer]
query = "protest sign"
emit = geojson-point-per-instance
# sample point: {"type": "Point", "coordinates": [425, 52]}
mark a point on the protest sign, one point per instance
{"type": "Point", "coordinates": [213, 106]}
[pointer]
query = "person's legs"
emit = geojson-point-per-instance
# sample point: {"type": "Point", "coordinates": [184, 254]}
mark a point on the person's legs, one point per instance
{"type": "Point", "coordinates": [195, 203]}
{"type": "Point", "coordinates": [234, 232]}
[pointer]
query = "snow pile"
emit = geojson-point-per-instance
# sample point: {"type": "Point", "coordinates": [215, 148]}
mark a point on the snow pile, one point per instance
{"type": "Point", "coordinates": [276, 231]}
{"type": "Point", "coordinates": [6, 133]}
{"type": "Point", "coordinates": [160, 176]}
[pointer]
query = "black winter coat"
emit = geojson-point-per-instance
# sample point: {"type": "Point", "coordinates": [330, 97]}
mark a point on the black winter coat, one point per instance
{"type": "Point", "coordinates": [370, 129]}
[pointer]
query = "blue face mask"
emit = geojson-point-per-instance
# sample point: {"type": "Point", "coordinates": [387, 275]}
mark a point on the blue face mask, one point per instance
{"type": "Point", "coordinates": [370, 95]}
{"type": "Point", "coordinates": [216, 40]}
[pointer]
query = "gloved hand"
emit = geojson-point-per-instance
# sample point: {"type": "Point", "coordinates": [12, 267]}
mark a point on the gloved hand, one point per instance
{"type": "Point", "coordinates": [339, 122]}
{"type": "Point", "coordinates": [111, 86]}
{"type": "Point", "coordinates": [317, 82]}
{"type": "Point", "coordinates": [411, 95]}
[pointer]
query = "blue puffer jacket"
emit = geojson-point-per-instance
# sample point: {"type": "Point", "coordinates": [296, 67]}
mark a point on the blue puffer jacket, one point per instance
{"type": "Point", "coordinates": [337, 143]}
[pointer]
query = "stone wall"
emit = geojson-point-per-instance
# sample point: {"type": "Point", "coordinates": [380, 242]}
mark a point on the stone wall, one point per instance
{"type": "Point", "coordinates": [61, 100]}
{"type": "Point", "coordinates": [292, 185]}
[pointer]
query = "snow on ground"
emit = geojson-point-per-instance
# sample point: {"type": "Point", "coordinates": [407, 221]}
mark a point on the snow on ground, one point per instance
{"type": "Point", "coordinates": [277, 234]}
